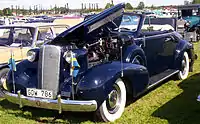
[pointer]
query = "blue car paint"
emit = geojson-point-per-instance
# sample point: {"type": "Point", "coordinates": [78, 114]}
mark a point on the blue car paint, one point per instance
{"type": "Point", "coordinates": [25, 76]}
{"type": "Point", "coordinates": [96, 82]}
{"type": "Point", "coordinates": [183, 46]}
{"type": "Point", "coordinates": [132, 51]}
{"type": "Point", "coordinates": [102, 77]}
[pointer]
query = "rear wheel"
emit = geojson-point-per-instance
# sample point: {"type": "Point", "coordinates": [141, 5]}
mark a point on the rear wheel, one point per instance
{"type": "Point", "coordinates": [183, 73]}
{"type": "Point", "coordinates": [113, 107]}
{"type": "Point", "coordinates": [3, 76]}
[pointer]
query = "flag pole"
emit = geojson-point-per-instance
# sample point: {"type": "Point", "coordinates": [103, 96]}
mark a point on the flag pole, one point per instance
{"type": "Point", "coordinates": [72, 76]}
{"type": "Point", "coordinates": [12, 69]}
{"type": "Point", "coordinates": [72, 88]}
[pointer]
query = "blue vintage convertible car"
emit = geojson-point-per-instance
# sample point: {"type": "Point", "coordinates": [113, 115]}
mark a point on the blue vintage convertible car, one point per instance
{"type": "Point", "coordinates": [116, 58]}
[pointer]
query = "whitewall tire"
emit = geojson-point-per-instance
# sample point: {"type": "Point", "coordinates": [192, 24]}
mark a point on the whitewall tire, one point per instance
{"type": "Point", "coordinates": [183, 73]}
{"type": "Point", "coordinates": [113, 107]}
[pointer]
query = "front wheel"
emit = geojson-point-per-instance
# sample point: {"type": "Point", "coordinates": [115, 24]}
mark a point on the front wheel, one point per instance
{"type": "Point", "coordinates": [183, 73]}
{"type": "Point", "coordinates": [113, 107]}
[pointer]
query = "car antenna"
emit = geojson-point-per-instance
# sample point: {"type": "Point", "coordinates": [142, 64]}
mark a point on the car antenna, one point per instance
{"type": "Point", "coordinates": [122, 73]}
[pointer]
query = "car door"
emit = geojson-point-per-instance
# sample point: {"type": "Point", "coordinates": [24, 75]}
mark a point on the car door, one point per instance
{"type": "Point", "coordinates": [166, 57]}
{"type": "Point", "coordinates": [153, 48]}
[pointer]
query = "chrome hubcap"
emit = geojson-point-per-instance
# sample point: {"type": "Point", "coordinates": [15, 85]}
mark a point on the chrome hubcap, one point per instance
{"type": "Point", "coordinates": [114, 100]}
{"type": "Point", "coordinates": [113, 97]}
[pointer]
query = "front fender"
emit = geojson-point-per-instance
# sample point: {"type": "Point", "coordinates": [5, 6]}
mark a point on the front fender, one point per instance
{"type": "Point", "coordinates": [3, 65]}
{"type": "Point", "coordinates": [97, 82]}
{"type": "Point", "coordinates": [24, 77]}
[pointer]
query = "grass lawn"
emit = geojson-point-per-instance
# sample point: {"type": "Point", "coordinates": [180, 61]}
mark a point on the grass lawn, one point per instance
{"type": "Point", "coordinates": [173, 102]}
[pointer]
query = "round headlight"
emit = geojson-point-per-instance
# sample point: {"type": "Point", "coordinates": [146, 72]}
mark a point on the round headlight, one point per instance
{"type": "Point", "coordinates": [67, 56]}
{"type": "Point", "coordinates": [187, 24]}
{"type": "Point", "coordinates": [31, 56]}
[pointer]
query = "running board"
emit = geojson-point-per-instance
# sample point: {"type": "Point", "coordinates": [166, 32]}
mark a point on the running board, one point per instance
{"type": "Point", "coordinates": [154, 80]}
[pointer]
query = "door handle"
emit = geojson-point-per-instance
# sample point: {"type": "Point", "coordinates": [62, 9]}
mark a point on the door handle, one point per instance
{"type": "Point", "coordinates": [168, 39]}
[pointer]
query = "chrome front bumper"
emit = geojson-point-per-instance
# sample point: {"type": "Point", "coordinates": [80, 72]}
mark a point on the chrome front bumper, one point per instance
{"type": "Point", "coordinates": [59, 104]}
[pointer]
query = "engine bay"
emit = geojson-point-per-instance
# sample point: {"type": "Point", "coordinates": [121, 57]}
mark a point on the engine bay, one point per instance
{"type": "Point", "coordinates": [107, 49]}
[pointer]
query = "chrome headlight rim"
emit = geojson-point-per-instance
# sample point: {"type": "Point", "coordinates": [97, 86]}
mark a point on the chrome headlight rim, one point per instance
{"type": "Point", "coordinates": [31, 55]}
{"type": "Point", "coordinates": [187, 24]}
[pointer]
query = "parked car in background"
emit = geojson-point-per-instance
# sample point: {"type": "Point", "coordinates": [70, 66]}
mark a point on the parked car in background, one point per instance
{"type": "Point", "coordinates": [20, 38]}
{"type": "Point", "coordinates": [150, 14]}
{"type": "Point", "coordinates": [96, 64]}
{"type": "Point", "coordinates": [190, 14]}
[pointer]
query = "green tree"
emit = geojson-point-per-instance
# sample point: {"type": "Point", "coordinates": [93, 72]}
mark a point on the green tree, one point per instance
{"type": "Point", "coordinates": [30, 10]}
{"type": "Point", "coordinates": [7, 12]}
{"type": "Point", "coordinates": [1, 13]}
{"type": "Point", "coordinates": [108, 5]}
{"type": "Point", "coordinates": [152, 6]}
{"type": "Point", "coordinates": [128, 6]}
{"type": "Point", "coordinates": [141, 5]}
{"type": "Point", "coordinates": [196, 1]}
{"type": "Point", "coordinates": [63, 10]}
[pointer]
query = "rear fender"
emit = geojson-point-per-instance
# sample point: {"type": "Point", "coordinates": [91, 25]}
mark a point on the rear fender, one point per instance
{"type": "Point", "coordinates": [97, 82]}
{"type": "Point", "coordinates": [183, 46]}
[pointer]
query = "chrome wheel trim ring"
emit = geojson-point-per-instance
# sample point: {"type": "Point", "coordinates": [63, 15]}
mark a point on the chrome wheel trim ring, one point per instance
{"type": "Point", "coordinates": [114, 100]}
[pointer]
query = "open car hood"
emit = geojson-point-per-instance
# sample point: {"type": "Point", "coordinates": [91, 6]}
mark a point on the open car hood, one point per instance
{"type": "Point", "coordinates": [92, 28]}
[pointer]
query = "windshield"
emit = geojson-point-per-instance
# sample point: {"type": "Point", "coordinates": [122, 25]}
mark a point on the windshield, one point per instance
{"type": "Point", "coordinates": [12, 36]}
{"type": "Point", "coordinates": [129, 22]}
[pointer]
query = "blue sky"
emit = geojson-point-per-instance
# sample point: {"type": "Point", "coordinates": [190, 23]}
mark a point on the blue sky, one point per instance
{"type": "Point", "coordinates": [77, 3]}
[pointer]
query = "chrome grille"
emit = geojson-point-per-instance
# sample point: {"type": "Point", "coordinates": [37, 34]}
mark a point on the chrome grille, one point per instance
{"type": "Point", "coordinates": [49, 68]}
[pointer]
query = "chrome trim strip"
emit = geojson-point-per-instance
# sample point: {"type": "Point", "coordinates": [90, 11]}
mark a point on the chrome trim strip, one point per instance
{"type": "Point", "coordinates": [42, 80]}
{"type": "Point", "coordinates": [59, 104]}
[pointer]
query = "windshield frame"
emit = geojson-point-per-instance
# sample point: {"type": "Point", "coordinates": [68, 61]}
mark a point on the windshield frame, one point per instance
{"type": "Point", "coordinates": [138, 24]}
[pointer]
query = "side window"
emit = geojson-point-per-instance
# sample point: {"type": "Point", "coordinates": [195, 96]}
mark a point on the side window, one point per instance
{"type": "Point", "coordinates": [44, 33]}
{"type": "Point", "coordinates": [4, 37]}
{"type": "Point", "coordinates": [60, 29]}
{"type": "Point", "coordinates": [22, 36]}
